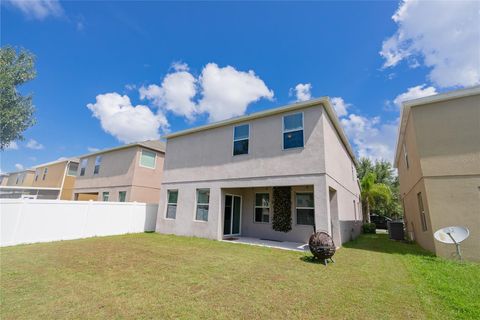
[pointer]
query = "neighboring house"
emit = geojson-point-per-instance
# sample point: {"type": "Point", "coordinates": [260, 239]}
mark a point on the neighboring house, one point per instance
{"type": "Point", "coordinates": [53, 180]}
{"type": "Point", "coordinates": [131, 172]}
{"type": "Point", "coordinates": [219, 179]}
{"type": "Point", "coordinates": [59, 175]}
{"type": "Point", "coordinates": [438, 161]}
{"type": "Point", "coordinates": [22, 178]}
{"type": "Point", "coordinates": [3, 179]}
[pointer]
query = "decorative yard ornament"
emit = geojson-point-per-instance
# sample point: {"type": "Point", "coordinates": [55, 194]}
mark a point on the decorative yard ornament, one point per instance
{"type": "Point", "coordinates": [322, 246]}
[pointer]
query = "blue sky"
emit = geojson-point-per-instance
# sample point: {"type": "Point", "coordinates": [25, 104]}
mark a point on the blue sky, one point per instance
{"type": "Point", "coordinates": [116, 72]}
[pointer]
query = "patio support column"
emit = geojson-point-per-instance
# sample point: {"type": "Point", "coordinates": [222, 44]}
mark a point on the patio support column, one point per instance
{"type": "Point", "coordinates": [322, 208]}
{"type": "Point", "coordinates": [221, 205]}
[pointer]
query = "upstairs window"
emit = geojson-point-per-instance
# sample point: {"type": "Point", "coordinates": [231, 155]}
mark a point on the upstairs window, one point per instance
{"type": "Point", "coordinates": [241, 135]}
{"type": "Point", "coordinates": [98, 161]}
{"type": "Point", "coordinates": [305, 209]}
{"type": "Point", "coordinates": [83, 166]}
{"type": "Point", "coordinates": [72, 169]}
{"type": "Point", "coordinates": [262, 207]}
{"type": "Point", "coordinates": [45, 171]}
{"type": "Point", "coordinates": [37, 174]}
{"type": "Point", "coordinates": [293, 131]}
{"type": "Point", "coordinates": [405, 154]}
{"type": "Point", "coordinates": [147, 159]}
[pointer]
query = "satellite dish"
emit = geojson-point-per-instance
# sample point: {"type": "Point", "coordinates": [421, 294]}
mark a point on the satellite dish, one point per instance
{"type": "Point", "coordinates": [452, 235]}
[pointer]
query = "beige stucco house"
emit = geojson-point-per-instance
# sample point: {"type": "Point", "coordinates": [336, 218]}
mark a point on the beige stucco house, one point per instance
{"type": "Point", "coordinates": [438, 161]}
{"type": "Point", "coordinates": [53, 180]}
{"type": "Point", "coordinates": [131, 172]}
{"type": "Point", "coordinates": [219, 179]}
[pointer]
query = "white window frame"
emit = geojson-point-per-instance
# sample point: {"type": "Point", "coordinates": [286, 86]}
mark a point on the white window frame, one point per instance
{"type": "Point", "coordinates": [107, 194]}
{"type": "Point", "coordinates": [355, 209]}
{"type": "Point", "coordinates": [99, 164]}
{"type": "Point", "coordinates": [405, 156]}
{"type": "Point", "coordinates": [235, 140]}
{"type": "Point", "coordinates": [125, 195]}
{"type": "Point", "coordinates": [83, 161]}
{"type": "Point", "coordinates": [45, 172]}
{"type": "Point", "coordinates": [287, 131]}
{"type": "Point", "coordinates": [154, 161]}
{"type": "Point", "coordinates": [421, 210]}
{"type": "Point", "coordinates": [37, 174]}
{"type": "Point", "coordinates": [262, 207]}
{"type": "Point", "coordinates": [296, 208]}
{"type": "Point", "coordinates": [68, 169]}
{"type": "Point", "coordinates": [171, 203]}
{"type": "Point", "coordinates": [196, 205]}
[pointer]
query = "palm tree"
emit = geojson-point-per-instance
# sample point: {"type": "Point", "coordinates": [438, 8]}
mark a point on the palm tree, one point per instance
{"type": "Point", "coordinates": [372, 192]}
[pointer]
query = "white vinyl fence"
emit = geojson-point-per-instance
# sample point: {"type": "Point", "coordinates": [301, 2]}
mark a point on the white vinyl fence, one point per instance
{"type": "Point", "coordinates": [29, 221]}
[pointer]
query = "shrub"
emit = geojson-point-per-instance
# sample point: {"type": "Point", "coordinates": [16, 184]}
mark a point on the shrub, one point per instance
{"type": "Point", "coordinates": [369, 228]}
{"type": "Point", "coordinates": [282, 209]}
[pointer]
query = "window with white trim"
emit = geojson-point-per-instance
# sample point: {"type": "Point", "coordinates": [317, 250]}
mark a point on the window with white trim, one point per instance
{"type": "Point", "coordinates": [203, 199]}
{"type": "Point", "coordinates": [122, 196]}
{"type": "Point", "coordinates": [405, 155]}
{"type": "Point", "coordinates": [45, 171]}
{"type": "Point", "coordinates": [305, 208]}
{"type": "Point", "coordinates": [37, 174]}
{"type": "Point", "coordinates": [423, 219]}
{"type": "Point", "coordinates": [72, 169]}
{"type": "Point", "coordinates": [83, 166]}
{"type": "Point", "coordinates": [241, 137]}
{"type": "Point", "coordinates": [98, 162]}
{"type": "Point", "coordinates": [172, 199]}
{"type": "Point", "coordinates": [293, 131]}
{"type": "Point", "coordinates": [262, 207]}
{"type": "Point", "coordinates": [105, 196]}
{"type": "Point", "coordinates": [148, 159]}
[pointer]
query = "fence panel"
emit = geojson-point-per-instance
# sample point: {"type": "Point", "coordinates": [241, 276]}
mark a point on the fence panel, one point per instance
{"type": "Point", "coordinates": [29, 221]}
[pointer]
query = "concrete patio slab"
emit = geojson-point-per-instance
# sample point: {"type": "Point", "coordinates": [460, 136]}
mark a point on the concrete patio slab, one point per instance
{"type": "Point", "coordinates": [284, 245]}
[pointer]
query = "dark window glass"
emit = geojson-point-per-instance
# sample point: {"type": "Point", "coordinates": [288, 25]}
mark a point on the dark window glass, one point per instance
{"type": "Point", "coordinates": [293, 139]}
{"type": "Point", "coordinates": [241, 132]}
{"type": "Point", "coordinates": [240, 147]}
{"type": "Point", "coordinates": [305, 216]}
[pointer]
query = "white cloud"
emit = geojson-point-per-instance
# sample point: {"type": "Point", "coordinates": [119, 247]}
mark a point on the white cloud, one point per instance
{"type": "Point", "coordinates": [19, 166]}
{"type": "Point", "coordinates": [444, 35]}
{"type": "Point", "coordinates": [126, 122]}
{"type": "Point", "coordinates": [224, 92]}
{"type": "Point", "coordinates": [414, 93]}
{"type": "Point", "coordinates": [38, 9]}
{"type": "Point", "coordinates": [175, 94]}
{"type": "Point", "coordinates": [92, 149]}
{"type": "Point", "coordinates": [227, 92]}
{"type": "Point", "coordinates": [34, 144]}
{"type": "Point", "coordinates": [180, 66]}
{"type": "Point", "coordinates": [371, 138]}
{"type": "Point", "coordinates": [302, 91]}
{"type": "Point", "coordinates": [12, 146]}
{"type": "Point", "coordinates": [340, 106]}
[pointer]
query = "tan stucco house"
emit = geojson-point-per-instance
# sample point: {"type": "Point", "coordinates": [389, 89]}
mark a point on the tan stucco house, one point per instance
{"type": "Point", "coordinates": [53, 180]}
{"type": "Point", "coordinates": [438, 161]}
{"type": "Point", "coordinates": [219, 179]}
{"type": "Point", "coordinates": [131, 172]}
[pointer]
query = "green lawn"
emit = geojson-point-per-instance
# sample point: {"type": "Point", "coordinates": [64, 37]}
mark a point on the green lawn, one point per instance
{"type": "Point", "coordinates": [155, 276]}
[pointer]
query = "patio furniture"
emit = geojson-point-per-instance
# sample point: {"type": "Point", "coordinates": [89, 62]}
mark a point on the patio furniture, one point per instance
{"type": "Point", "coordinates": [322, 246]}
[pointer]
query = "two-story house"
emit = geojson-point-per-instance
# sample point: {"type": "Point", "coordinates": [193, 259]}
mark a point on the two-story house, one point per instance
{"type": "Point", "coordinates": [53, 180]}
{"type": "Point", "coordinates": [438, 161]}
{"type": "Point", "coordinates": [290, 166]}
{"type": "Point", "coordinates": [57, 176]}
{"type": "Point", "coordinates": [131, 172]}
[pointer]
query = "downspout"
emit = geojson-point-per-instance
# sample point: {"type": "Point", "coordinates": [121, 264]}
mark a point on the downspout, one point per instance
{"type": "Point", "coordinates": [63, 180]}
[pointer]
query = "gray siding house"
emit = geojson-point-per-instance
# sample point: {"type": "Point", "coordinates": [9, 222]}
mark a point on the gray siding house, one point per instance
{"type": "Point", "coordinates": [219, 178]}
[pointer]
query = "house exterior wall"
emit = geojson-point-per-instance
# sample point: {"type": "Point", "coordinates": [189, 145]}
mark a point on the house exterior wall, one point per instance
{"type": "Point", "coordinates": [120, 171]}
{"type": "Point", "coordinates": [204, 159]}
{"type": "Point", "coordinates": [443, 143]}
{"type": "Point", "coordinates": [27, 182]}
{"type": "Point", "coordinates": [54, 177]}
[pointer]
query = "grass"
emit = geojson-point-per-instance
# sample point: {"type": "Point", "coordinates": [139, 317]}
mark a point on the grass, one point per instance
{"type": "Point", "coordinates": [153, 276]}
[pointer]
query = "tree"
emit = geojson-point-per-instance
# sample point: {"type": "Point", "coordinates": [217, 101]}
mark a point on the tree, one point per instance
{"type": "Point", "coordinates": [372, 193]}
{"type": "Point", "coordinates": [16, 110]}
